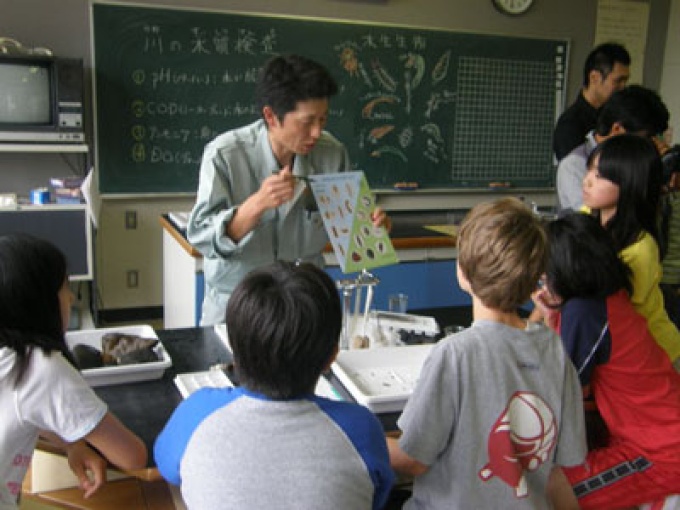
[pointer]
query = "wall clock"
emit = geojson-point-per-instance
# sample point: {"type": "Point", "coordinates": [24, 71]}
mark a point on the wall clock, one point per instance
{"type": "Point", "coordinates": [513, 7]}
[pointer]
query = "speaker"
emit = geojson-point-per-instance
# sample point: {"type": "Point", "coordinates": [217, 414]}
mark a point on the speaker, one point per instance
{"type": "Point", "coordinates": [69, 80]}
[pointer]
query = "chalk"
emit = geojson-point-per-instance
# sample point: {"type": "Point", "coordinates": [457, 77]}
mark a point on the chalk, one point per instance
{"type": "Point", "coordinates": [500, 185]}
{"type": "Point", "coordinates": [406, 186]}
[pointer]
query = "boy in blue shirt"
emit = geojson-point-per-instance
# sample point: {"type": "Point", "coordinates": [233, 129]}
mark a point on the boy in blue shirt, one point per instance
{"type": "Point", "coordinates": [272, 443]}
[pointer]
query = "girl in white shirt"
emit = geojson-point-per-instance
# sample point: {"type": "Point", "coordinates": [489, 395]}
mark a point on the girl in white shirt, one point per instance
{"type": "Point", "coordinates": [41, 393]}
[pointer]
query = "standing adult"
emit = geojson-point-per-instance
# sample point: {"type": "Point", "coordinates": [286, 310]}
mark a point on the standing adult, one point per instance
{"type": "Point", "coordinates": [605, 71]}
{"type": "Point", "coordinates": [636, 110]}
{"type": "Point", "coordinates": [252, 205]}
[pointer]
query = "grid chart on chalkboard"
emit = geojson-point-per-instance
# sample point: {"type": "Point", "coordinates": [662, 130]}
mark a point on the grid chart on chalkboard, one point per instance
{"type": "Point", "coordinates": [503, 122]}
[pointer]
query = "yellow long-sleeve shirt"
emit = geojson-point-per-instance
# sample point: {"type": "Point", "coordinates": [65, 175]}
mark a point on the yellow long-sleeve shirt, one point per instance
{"type": "Point", "coordinates": [643, 259]}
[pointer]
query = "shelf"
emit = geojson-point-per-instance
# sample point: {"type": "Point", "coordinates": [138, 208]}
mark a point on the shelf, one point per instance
{"type": "Point", "coordinates": [44, 147]}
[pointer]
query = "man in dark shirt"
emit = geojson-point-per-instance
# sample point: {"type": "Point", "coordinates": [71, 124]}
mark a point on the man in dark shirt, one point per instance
{"type": "Point", "coordinates": [606, 70]}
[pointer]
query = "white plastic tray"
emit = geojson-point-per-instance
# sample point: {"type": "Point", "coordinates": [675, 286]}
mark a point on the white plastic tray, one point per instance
{"type": "Point", "coordinates": [381, 379]}
{"type": "Point", "coordinates": [124, 373]}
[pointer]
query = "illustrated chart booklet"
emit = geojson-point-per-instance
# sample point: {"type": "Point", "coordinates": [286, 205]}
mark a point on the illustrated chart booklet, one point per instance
{"type": "Point", "coordinates": [345, 202]}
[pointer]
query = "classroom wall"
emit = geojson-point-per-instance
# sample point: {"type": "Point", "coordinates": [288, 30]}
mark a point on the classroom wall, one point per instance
{"type": "Point", "coordinates": [66, 31]}
{"type": "Point", "coordinates": [670, 79]}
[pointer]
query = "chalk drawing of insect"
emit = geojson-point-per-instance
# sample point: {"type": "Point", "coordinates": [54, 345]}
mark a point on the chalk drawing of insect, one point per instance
{"type": "Point", "coordinates": [349, 61]}
{"type": "Point", "coordinates": [406, 137]}
{"type": "Point", "coordinates": [378, 132]}
{"type": "Point", "coordinates": [417, 63]}
{"type": "Point", "coordinates": [367, 110]}
{"type": "Point", "coordinates": [388, 149]}
{"type": "Point", "coordinates": [384, 78]}
{"type": "Point", "coordinates": [441, 68]}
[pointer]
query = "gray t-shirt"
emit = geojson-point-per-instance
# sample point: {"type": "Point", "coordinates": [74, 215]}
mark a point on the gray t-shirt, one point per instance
{"type": "Point", "coordinates": [494, 409]}
{"type": "Point", "coordinates": [235, 449]}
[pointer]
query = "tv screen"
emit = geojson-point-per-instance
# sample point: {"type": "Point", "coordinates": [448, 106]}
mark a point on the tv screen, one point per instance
{"type": "Point", "coordinates": [26, 94]}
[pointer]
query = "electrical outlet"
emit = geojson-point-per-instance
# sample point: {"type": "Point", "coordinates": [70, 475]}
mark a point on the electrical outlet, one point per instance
{"type": "Point", "coordinates": [132, 279]}
{"type": "Point", "coordinates": [130, 220]}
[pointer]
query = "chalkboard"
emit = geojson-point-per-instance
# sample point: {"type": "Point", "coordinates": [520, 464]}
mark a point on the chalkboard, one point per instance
{"type": "Point", "coordinates": [440, 108]}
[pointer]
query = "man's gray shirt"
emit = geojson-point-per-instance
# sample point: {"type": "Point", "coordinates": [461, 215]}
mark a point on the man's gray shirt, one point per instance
{"type": "Point", "coordinates": [570, 174]}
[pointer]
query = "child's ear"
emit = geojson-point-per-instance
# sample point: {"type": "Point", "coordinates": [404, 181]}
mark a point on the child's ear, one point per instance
{"type": "Point", "coordinates": [463, 282]}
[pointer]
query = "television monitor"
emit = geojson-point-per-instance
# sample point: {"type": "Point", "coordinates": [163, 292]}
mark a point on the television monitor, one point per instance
{"type": "Point", "coordinates": [26, 96]}
{"type": "Point", "coordinates": [41, 99]}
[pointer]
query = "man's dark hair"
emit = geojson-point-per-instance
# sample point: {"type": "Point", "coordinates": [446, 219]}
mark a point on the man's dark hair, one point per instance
{"type": "Point", "coordinates": [602, 59]}
{"type": "Point", "coordinates": [284, 323]}
{"type": "Point", "coordinates": [285, 80]}
{"type": "Point", "coordinates": [639, 110]}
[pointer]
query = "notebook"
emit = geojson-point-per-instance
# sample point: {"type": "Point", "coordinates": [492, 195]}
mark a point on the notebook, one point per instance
{"type": "Point", "coordinates": [189, 382]}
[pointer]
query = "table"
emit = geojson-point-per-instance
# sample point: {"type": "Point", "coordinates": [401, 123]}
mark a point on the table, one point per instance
{"type": "Point", "coordinates": [146, 406]}
{"type": "Point", "coordinates": [426, 272]}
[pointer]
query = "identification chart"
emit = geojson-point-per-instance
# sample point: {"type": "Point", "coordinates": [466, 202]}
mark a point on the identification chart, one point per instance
{"type": "Point", "coordinates": [345, 202]}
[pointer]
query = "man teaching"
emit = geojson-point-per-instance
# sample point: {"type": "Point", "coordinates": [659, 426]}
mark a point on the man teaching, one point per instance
{"type": "Point", "coordinates": [252, 205]}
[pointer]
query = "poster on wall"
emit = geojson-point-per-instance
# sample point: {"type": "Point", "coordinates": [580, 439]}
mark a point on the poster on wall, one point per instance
{"type": "Point", "coordinates": [625, 22]}
{"type": "Point", "coordinates": [345, 202]}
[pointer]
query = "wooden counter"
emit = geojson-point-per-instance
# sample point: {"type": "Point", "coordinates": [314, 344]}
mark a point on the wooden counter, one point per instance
{"type": "Point", "coordinates": [426, 271]}
{"type": "Point", "coordinates": [403, 238]}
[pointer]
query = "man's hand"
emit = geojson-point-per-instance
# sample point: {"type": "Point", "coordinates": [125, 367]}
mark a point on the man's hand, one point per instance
{"type": "Point", "coordinates": [277, 189]}
{"type": "Point", "coordinates": [88, 466]}
{"type": "Point", "coordinates": [380, 219]}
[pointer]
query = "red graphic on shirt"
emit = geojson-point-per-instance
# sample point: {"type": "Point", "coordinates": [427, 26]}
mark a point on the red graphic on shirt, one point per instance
{"type": "Point", "coordinates": [521, 440]}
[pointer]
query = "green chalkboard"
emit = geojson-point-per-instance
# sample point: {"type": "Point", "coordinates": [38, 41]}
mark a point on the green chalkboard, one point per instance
{"type": "Point", "coordinates": [441, 108]}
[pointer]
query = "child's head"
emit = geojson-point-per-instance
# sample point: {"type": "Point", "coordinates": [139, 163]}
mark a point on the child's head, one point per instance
{"type": "Point", "coordinates": [583, 262]}
{"type": "Point", "coordinates": [634, 109]}
{"type": "Point", "coordinates": [34, 296]}
{"type": "Point", "coordinates": [284, 323]}
{"type": "Point", "coordinates": [628, 168]}
{"type": "Point", "coordinates": [502, 253]}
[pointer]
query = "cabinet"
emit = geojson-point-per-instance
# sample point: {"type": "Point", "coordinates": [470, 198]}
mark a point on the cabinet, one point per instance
{"type": "Point", "coordinates": [426, 273]}
{"type": "Point", "coordinates": [26, 166]}
{"type": "Point", "coordinates": [182, 279]}
{"type": "Point", "coordinates": [66, 226]}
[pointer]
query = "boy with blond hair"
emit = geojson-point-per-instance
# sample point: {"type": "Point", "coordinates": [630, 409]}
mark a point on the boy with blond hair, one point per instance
{"type": "Point", "coordinates": [497, 406]}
